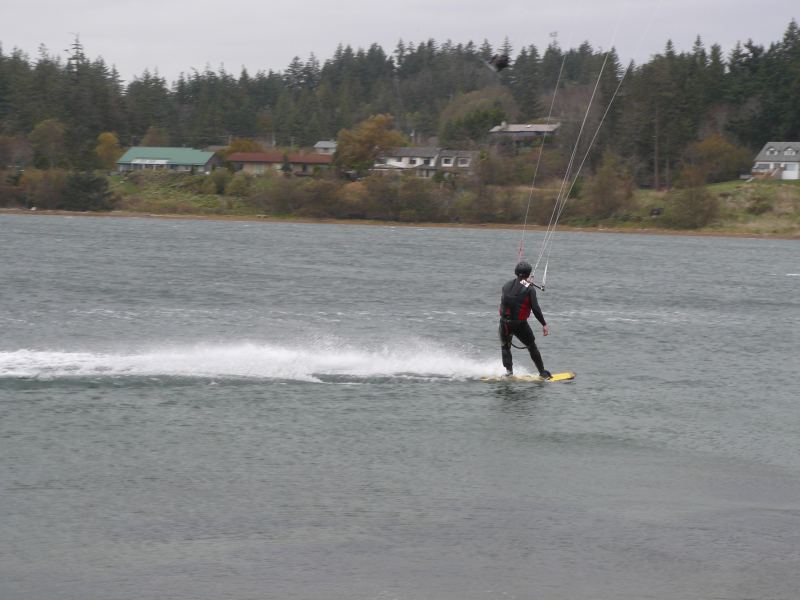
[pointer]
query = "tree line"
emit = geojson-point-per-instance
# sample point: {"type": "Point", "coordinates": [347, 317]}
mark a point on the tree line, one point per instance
{"type": "Point", "coordinates": [53, 111]}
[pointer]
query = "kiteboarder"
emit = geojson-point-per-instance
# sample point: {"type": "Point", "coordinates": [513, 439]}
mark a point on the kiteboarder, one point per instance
{"type": "Point", "coordinates": [517, 302]}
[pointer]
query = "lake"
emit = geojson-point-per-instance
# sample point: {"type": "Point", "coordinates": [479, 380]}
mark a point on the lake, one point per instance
{"type": "Point", "coordinates": [196, 409]}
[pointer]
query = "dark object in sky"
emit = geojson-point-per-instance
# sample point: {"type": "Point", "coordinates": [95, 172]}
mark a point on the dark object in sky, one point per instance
{"type": "Point", "coordinates": [499, 62]}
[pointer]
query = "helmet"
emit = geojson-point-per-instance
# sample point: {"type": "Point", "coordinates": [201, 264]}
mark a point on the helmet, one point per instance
{"type": "Point", "coordinates": [523, 269]}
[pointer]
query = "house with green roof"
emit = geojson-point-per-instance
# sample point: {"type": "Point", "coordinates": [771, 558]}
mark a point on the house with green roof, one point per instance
{"type": "Point", "coordinates": [187, 160]}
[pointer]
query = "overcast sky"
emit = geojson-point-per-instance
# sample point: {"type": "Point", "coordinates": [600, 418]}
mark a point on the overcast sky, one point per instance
{"type": "Point", "coordinates": [174, 36]}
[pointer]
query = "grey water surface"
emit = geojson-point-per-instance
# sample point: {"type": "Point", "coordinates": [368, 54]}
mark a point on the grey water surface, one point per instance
{"type": "Point", "coordinates": [243, 410]}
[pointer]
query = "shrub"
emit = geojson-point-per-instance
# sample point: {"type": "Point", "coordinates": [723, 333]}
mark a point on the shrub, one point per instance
{"type": "Point", "coordinates": [478, 206]}
{"type": "Point", "coordinates": [44, 189]}
{"type": "Point", "coordinates": [283, 197]}
{"type": "Point", "coordinates": [221, 178]}
{"type": "Point", "coordinates": [239, 185]}
{"type": "Point", "coordinates": [353, 200]}
{"type": "Point", "coordinates": [718, 159]}
{"type": "Point", "coordinates": [690, 208]}
{"type": "Point", "coordinates": [197, 184]}
{"type": "Point", "coordinates": [86, 191]}
{"type": "Point", "coordinates": [319, 199]}
{"type": "Point", "coordinates": [416, 201]}
{"type": "Point", "coordinates": [382, 198]}
{"type": "Point", "coordinates": [11, 196]}
{"type": "Point", "coordinates": [610, 191]}
{"type": "Point", "coordinates": [758, 206]}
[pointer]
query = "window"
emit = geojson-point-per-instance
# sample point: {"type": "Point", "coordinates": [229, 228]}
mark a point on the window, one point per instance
{"type": "Point", "coordinates": [771, 152]}
{"type": "Point", "coordinates": [761, 166]}
{"type": "Point", "coordinates": [791, 167]}
{"type": "Point", "coordinates": [790, 152]}
{"type": "Point", "coordinates": [412, 161]}
{"type": "Point", "coordinates": [447, 162]}
{"type": "Point", "coordinates": [463, 162]}
{"type": "Point", "coordinates": [426, 161]}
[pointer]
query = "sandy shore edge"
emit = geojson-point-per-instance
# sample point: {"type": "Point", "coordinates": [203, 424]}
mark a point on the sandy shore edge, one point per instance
{"type": "Point", "coordinates": [269, 219]}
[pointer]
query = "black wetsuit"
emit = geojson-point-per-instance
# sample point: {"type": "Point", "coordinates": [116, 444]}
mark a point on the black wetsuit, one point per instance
{"type": "Point", "coordinates": [517, 302]}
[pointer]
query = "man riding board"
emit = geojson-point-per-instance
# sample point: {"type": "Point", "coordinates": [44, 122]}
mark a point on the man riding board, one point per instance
{"type": "Point", "coordinates": [517, 302]}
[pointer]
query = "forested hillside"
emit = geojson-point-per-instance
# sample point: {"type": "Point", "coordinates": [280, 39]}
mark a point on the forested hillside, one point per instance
{"type": "Point", "coordinates": [52, 110]}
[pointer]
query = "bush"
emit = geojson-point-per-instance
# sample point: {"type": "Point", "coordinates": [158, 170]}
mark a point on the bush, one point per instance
{"type": "Point", "coordinates": [353, 200]}
{"type": "Point", "coordinates": [718, 159]}
{"type": "Point", "coordinates": [86, 191]}
{"type": "Point", "coordinates": [196, 184]}
{"type": "Point", "coordinates": [477, 206]}
{"type": "Point", "coordinates": [610, 191]}
{"type": "Point", "coordinates": [319, 199]}
{"type": "Point", "coordinates": [417, 201]}
{"type": "Point", "coordinates": [11, 196]}
{"type": "Point", "coordinates": [282, 197]}
{"type": "Point", "coordinates": [220, 178]}
{"type": "Point", "coordinates": [690, 208]}
{"type": "Point", "coordinates": [44, 189]}
{"type": "Point", "coordinates": [239, 185]}
{"type": "Point", "coordinates": [381, 198]}
{"type": "Point", "coordinates": [758, 206]}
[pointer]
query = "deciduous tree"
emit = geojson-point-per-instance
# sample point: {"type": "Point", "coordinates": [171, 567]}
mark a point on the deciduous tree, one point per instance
{"type": "Point", "coordinates": [358, 148]}
{"type": "Point", "coordinates": [108, 149]}
{"type": "Point", "coordinates": [717, 159]}
{"type": "Point", "coordinates": [155, 137]}
{"type": "Point", "coordinates": [610, 190]}
{"type": "Point", "coordinates": [47, 139]}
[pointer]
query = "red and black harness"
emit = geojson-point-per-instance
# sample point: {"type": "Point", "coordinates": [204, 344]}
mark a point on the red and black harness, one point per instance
{"type": "Point", "coordinates": [515, 305]}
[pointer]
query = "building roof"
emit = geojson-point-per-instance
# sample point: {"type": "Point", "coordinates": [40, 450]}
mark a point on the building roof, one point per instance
{"type": "Point", "coordinates": [525, 128]}
{"type": "Point", "coordinates": [275, 156]}
{"type": "Point", "coordinates": [165, 156]}
{"type": "Point", "coordinates": [781, 155]}
{"type": "Point", "coordinates": [325, 144]}
{"type": "Point", "coordinates": [412, 152]}
{"type": "Point", "coordinates": [458, 154]}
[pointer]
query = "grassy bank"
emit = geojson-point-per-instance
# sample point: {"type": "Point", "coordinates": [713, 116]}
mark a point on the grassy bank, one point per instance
{"type": "Point", "coordinates": [756, 208]}
{"type": "Point", "coordinates": [764, 208]}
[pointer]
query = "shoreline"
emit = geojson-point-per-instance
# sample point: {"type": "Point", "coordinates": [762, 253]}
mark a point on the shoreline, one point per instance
{"type": "Point", "coordinates": [321, 221]}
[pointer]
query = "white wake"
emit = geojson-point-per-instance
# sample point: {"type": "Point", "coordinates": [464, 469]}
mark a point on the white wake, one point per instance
{"type": "Point", "coordinates": [249, 360]}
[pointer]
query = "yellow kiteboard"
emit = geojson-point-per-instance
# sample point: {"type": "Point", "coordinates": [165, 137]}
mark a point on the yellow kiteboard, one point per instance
{"type": "Point", "coordinates": [566, 376]}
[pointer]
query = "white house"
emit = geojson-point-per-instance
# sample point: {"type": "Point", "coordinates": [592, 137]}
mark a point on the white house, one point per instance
{"type": "Point", "coordinates": [421, 161]}
{"type": "Point", "coordinates": [778, 160]}
{"type": "Point", "coordinates": [325, 147]}
{"type": "Point", "coordinates": [457, 161]}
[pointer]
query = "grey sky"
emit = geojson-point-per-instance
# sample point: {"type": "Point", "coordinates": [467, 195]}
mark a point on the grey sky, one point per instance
{"type": "Point", "coordinates": [178, 35]}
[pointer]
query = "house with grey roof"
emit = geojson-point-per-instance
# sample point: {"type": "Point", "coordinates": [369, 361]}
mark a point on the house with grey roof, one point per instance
{"type": "Point", "coordinates": [521, 133]}
{"type": "Point", "coordinates": [778, 160]}
{"type": "Point", "coordinates": [187, 160]}
{"type": "Point", "coordinates": [457, 161]}
{"type": "Point", "coordinates": [325, 147]}
{"type": "Point", "coordinates": [425, 161]}
{"type": "Point", "coordinates": [419, 160]}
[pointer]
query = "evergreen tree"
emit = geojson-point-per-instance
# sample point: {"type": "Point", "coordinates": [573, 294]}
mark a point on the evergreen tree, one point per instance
{"type": "Point", "coordinates": [525, 83]}
{"type": "Point", "coordinates": [86, 191]}
{"type": "Point", "coordinates": [671, 101]}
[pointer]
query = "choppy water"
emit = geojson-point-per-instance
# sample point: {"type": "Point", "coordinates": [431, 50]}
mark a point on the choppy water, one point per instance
{"type": "Point", "coordinates": [205, 410]}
